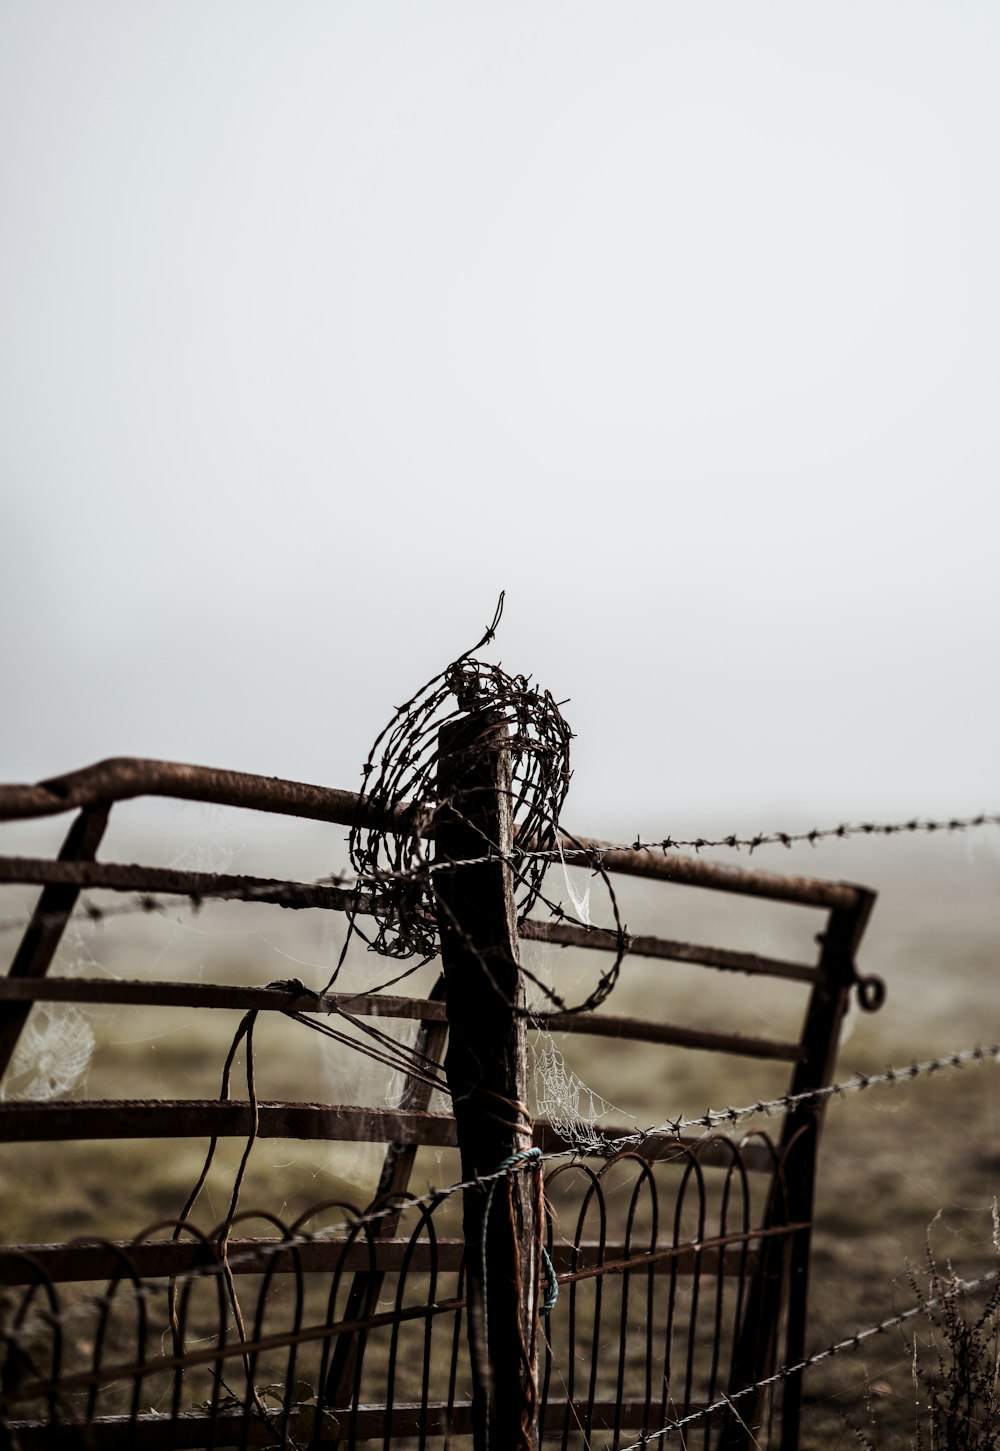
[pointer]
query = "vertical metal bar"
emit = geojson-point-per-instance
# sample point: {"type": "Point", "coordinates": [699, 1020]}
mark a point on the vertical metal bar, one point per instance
{"type": "Point", "coordinates": [48, 922]}
{"type": "Point", "coordinates": [394, 1179]}
{"type": "Point", "coordinates": [487, 1069]}
{"type": "Point", "coordinates": [821, 1039]}
{"type": "Point", "coordinates": [793, 1185]}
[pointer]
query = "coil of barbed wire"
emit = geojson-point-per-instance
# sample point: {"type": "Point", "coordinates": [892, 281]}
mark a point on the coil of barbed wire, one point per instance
{"type": "Point", "coordinates": [401, 782]}
{"type": "Point", "coordinates": [395, 863]}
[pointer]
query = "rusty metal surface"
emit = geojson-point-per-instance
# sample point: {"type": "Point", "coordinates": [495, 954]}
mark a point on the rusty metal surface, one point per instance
{"type": "Point", "coordinates": [126, 777]}
{"type": "Point", "coordinates": [755, 1355]}
{"type": "Point", "coordinates": [119, 877]}
{"type": "Point", "coordinates": [44, 931]}
{"type": "Point", "coordinates": [292, 998]}
{"type": "Point", "coordinates": [156, 1118]}
{"type": "Point", "coordinates": [280, 999]}
{"type": "Point", "coordinates": [608, 1249]}
{"type": "Point", "coordinates": [122, 778]}
{"type": "Point", "coordinates": [82, 1263]}
{"type": "Point", "coordinates": [641, 1030]}
{"type": "Point", "coordinates": [697, 872]}
{"type": "Point", "coordinates": [210, 1118]}
{"type": "Point", "coordinates": [599, 939]}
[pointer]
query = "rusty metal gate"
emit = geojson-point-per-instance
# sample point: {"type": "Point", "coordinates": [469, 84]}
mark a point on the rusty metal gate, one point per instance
{"type": "Point", "coordinates": [681, 1262]}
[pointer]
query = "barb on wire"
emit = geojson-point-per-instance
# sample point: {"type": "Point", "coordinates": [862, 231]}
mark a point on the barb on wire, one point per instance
{"type": "Point", "coordinates": [577, 853]}
{"type": "Point", "coordinates": [816, 834]}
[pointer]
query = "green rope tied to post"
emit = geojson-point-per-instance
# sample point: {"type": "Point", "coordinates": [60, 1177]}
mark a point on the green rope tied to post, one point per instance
{"type": "Point", "coordinates": [524, 1156]}
{"type": "Point", "coordinates": [551, 1284]}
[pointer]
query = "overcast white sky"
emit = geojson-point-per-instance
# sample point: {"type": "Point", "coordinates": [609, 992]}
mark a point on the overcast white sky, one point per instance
{"type": "Point", "coordinates": [324, 322]}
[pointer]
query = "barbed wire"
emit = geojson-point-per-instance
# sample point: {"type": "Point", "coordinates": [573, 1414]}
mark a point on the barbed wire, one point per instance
{"type": "Point", "coordinates": [816, 834]}
{"type": "Point", "coordinates": [190, 891]}
{"type": "Point", "coordinates": [852, 1342]}
{"type": "Point", "coordinates": [469, 714]}
{"type": "Point", "coordinates": [601, 1147]}
{"type": "Point", "coordinates": [718, 1117]}
{"type": "Point", "coordinates": [573, 853]}
{"type": "Point", "coordinates": [838, 1347]}
{"type": "Point", "coordinates": [848, 1343]}
{"type": "Point", "coordinates": [394, 883]}
{"type": "Point", "coordinates": [570, 852]}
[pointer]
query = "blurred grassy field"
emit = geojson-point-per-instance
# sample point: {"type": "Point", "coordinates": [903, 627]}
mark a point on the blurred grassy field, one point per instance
{"type": "Point", "coordinates": [892, 1162]}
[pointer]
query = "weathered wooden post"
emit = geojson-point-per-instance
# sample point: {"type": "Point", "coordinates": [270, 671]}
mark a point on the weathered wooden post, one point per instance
{"type": "Point", "coordinates": [486, 1065]}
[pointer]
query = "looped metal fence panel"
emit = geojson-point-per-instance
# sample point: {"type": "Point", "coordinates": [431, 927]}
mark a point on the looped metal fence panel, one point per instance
{"type": "Point", "coordinates": [118, 1344]}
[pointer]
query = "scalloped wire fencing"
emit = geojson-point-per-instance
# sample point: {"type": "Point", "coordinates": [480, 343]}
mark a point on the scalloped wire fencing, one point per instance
{"type": "Point", "coordinates": [654, 1254]}
{"type": "Point", "coordinates": [648, 1329]}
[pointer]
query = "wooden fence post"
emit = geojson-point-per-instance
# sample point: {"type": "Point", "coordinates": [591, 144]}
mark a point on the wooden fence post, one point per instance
{"type": "Point", "coordinates": [486, 1065]}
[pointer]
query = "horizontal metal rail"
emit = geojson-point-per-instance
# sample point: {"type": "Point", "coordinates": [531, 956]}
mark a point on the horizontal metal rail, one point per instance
{"type": "Point", "coordinates": [695, 872]}
{"type": "Point", "coordinates": [212, 1118]}
{"type": "Point", "coordinates": [152, 1259]}
{"type": "Point", "coordinates": [205, 995]}
{"type": "Point", "coordinates": [118, 877]}
{"type": "Point", "coordinates": [186, 1432]}
{"type": "Point", "coordinates": [123, 778]}
{"type": "Point", "coordinates": [639, 1030]}
{"type": "Point", "coordinates": [601, 939]}
{"type": "Point", "coordinates": [339, 1123]}
{"type": "Point", "coordinates": [126, 777]}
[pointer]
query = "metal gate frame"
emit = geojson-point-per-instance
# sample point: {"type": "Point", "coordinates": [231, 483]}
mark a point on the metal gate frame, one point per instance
{"type": "Point", "coordinates": [773, 1252]}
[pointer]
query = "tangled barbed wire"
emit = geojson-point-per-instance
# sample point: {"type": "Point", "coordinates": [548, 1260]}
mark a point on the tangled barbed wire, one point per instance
{"type": "Point", "coordinates": [394, 887]}
{"type": "Point", "coordinates": [402, 772]}
{"type": "Point", "coordinates": [404, 783]}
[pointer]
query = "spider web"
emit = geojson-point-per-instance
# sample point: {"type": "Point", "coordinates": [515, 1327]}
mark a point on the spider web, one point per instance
{"type": "Point", "coordinates": [573, 1109]}
{"type": "Point", "coordinates": [52, 1054]}
{"type": "Point", "coordinates": [57, 1045]}
{"type": "Point", "coordinates": [561, 1096]}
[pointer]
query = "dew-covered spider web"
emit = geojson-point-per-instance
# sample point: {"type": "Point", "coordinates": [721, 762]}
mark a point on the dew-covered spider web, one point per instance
{"type": "Point", "coordinates": [574, 1109]}
{"type": "Point", "coordinates": [57, 1045]}
{"type": "Point", "coordinates": [52, 1055]}
{"type": "Point", "coordinates": [562, 1097]}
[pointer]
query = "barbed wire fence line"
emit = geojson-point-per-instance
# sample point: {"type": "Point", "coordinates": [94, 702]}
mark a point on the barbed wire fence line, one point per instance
{"type": "Point", "coordinates": [853, 1342]}
{"type": "Point", "coordinates": [604, 1147]}
{"type": "Point", "coordinates": [27, 871]}
{"type": "Point", "coordinates": [671, 1128]}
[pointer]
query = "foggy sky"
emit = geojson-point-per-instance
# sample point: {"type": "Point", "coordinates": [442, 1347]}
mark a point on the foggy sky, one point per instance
{"type": "Point", "coordinates": [323, 323]}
